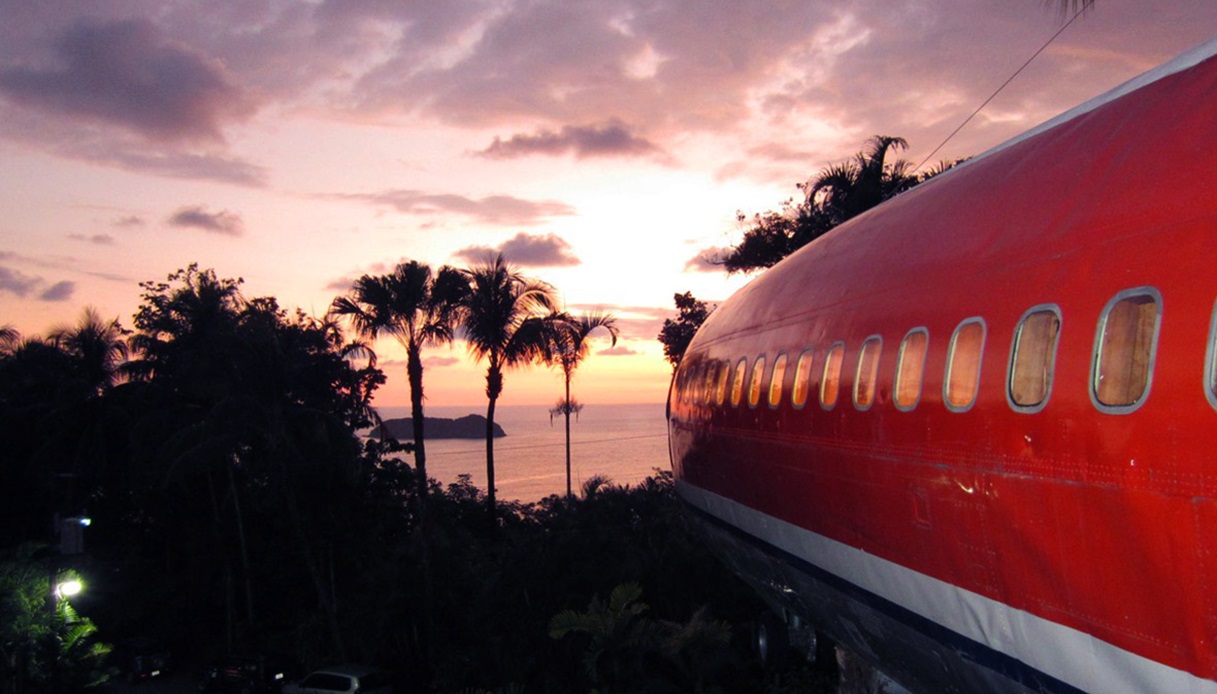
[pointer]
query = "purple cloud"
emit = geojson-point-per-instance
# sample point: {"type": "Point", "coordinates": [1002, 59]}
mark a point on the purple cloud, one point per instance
{"type": "Point", "coordinates": [495, 209]}
{"type": "Point", "coordinates": [705, 260]}
{"type": "Point", "coordinates": [128, 73]}
{"type": "Point", "coordinates": [17, 282]}
{"type": "Point", "coordinates": [440, 362]}
{"type": "Point", "coordinates": [99, 239]}
{"type": "Point", "coordinates": [23, 285]}
{"type": "Point", "coordinates": [608, 140]}
{"type": "Point", "coordinates": [618, 351]}
{"type": "Point", "coordinates": [549, 250]}
{"type": "Point", "coordinates": [60, 291]}
{"type": "Point", "coordinates": [130, 222]}
{"type": "Point", "coordinates": [197, 217]}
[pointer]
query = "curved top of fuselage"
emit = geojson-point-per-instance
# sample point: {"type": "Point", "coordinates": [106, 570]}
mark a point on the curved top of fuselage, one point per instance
{"type": "Point", "coordinates": [1078, 178]}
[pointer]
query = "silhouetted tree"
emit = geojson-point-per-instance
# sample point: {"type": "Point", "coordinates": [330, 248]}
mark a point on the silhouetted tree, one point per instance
{"type": "Point", "coordinates": [416, 309]}
{"type": "Point", "coordinates": [255, 412]}
{"type": "Point", "coordinates": [677, 334]}
{"type": "Point", "coordinates": [835, 195]}
{"type": "Point", "coordinates": [98, 347]}
{"type": "Point", "coordinates": [570, 348]}
{"type": "Point", "coordinates": [508, 321]}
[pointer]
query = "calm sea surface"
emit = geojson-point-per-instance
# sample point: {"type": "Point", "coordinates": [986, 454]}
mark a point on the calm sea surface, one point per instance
{"type": "Point", "coordinates": [622, 442]}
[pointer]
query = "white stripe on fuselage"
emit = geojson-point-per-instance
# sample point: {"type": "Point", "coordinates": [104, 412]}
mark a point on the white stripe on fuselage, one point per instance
{"type": "Point", "coordinates": [1069, 655]}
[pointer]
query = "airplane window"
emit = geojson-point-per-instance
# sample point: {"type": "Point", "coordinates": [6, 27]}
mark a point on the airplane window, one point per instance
{"type": "Point", "coordinates": [776, 380]}
{"type": "Point", "coordinates": [737, 385]}
{"type": "Point", "coordinates": [868, 371]}
{"type": "Point", "coordinates": [963, 365]}
{"type": "Point", "coordinates": [724, 374]}
{"type": "Point", "coordinates": [706, 396]}
{"type": "Point", "coordinates": [802, 379]}
{"type": "Point", "coordinates": [754, 385]}
{"type": "Point", "coordinates": [1124, 350]}
{"type": "Point", "coordinates": [1032, 358]}
{"type": "Point", "coordinates": [832, 375]}
{"type": "Point", "coordinates": [682, 383]}
{"type": "Point", "coordinates": [910, 368]}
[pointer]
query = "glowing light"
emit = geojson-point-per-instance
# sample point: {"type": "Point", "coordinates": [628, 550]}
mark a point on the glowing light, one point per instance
{"type": "Point", "coordinates": [69, 588]}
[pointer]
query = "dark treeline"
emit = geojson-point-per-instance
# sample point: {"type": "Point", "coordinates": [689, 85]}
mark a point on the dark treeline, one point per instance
{"type": "Point", "coordinates": [234, 507]}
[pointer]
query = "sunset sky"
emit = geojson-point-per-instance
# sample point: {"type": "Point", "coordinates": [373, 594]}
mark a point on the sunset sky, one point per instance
{"type": "Point", "coordinates": [603, 146]}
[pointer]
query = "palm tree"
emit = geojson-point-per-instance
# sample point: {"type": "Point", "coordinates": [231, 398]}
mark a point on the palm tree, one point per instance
{"type": "Point", "coordinates": [9, 339]}
{"type": "Point", "coordinates": [416, 309]}
{"type": "Point", "coordinates": [99, 349]}
{"type": "Point", "coordinates": [509, 322]}
{"type": "Point", "coordinates": [849, 188]}
{"type": "Point", "coordinates": [570, 349]}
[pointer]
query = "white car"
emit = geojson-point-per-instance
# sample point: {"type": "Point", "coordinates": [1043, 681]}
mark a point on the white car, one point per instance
{"type": "Point", "coordinates": [350, 679]}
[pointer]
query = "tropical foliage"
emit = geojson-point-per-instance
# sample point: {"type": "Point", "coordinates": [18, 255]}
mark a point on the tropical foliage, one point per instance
{"type": "Point", "coordinates": [835, 195]}
{"type": "Point", "coordinates": [571, 345]}
{"type": "Point", "coordinates": [677, 333]}
{"type": "Point", "coordinates": [45, 647]}
{"type": "Point", "coordinates": [416, 309]}
{"type": "Point", "coordinates": [509, 323]}
{"type": "Point", "coordinates": [235, 507]}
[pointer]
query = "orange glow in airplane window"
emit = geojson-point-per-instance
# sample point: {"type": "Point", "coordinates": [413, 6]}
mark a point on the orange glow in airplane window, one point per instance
{"type": "Point", "coordinates": [868, 372]}
{"type": "Point", "coordinates": [802, 379]}
{"type": "Point", "coordinates": [963, 364]}
{"type": "Point", "coordinates": [776, 379]}
{"type": "Point", "coordinates": [832, 376]}
{"type": "Point", "coordinates": [754, 385]}
{"type": "Point", "coordinates": [724, 374]}
{"type": "Point", "coordinates": [910, 369]}
{"type": "Point", "coordinates": [737, 386]}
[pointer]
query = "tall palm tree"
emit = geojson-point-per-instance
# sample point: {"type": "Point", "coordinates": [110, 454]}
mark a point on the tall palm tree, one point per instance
{"type": "Point", "coordinates": [509, 322]}
{"type": "Point", "coordinates": [849, 188]}
{"type": "Point", "coordinates": [9, 339]}
{"type": "Point", "coordinates": [416, 309]}
{"type": "Point", "coordinates": [98, 347]}
{"type": "Point", "coordinates": [570, 349]}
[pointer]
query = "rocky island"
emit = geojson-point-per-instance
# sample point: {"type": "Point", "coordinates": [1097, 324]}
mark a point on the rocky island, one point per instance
{"type": "Point", "coordinates": [471, 426]}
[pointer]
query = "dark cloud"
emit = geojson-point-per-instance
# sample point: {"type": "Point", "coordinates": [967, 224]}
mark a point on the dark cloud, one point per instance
{"type": "Point", "coordinates": [706, 260]}
{"type": "Point", "coordinates": [23, 285]}
{"type": "Point", "coordinates": [618, 351]}
{"type": "Point", "coordinates": [197, 217]}
{"type": "Point", "coordinates": [99, 239]}
{"type": "Point", "coordinates": [60, 291]}
{"type": "Point", "coordinates": [608, 140]}
{"type": "Point", "coordinates": [130, 222]}
{"type": "Point", "coordinates": [17, 282]}
{"type": "Point", "coordinates": [494, 209]}
{"type": "Point", "coordinates": [128, 73]}
{"type": "Point", "coordinates": [174, 164]}
{"type": "Point", "coordinates": [94, 143]}
{"type": "Point", "coordinates": [526, 250]}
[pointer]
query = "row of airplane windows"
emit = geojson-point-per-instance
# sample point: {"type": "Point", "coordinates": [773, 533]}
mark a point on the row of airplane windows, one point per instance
{"type": "Point", "coordinates": [1121, 369]}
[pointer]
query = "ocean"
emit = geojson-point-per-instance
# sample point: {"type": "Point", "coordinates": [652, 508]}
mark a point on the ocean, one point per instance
{"type": "Point", "coordinates": [624, 443]}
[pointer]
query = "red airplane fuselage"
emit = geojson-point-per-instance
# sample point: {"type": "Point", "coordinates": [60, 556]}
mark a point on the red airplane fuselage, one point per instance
{"type": "Point", "coordinates": [973, 433]}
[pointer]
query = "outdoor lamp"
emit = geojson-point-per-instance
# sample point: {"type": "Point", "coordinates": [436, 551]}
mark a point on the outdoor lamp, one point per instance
{"type": "Point", "coordinates": [69, 588]}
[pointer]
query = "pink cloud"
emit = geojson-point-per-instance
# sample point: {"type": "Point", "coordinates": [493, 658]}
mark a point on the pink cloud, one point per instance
{"type": "Point", "coordinates": [526, 250]}
{"type": "Point", "coordinates": [197, 217]}
{"type": "Point", "coordinates": [127, 73]}
{"type": "Point", "coordinates": [504, 210]}
{"type": "Point", "coordinates": [611, 139]}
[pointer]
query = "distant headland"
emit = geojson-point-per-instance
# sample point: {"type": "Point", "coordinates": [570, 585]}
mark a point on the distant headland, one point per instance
{"type": "Point", "coordinates": [471, 426]}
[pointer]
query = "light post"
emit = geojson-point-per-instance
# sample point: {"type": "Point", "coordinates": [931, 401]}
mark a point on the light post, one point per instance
{"type": "Point", "coordinates": [68, 588]}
